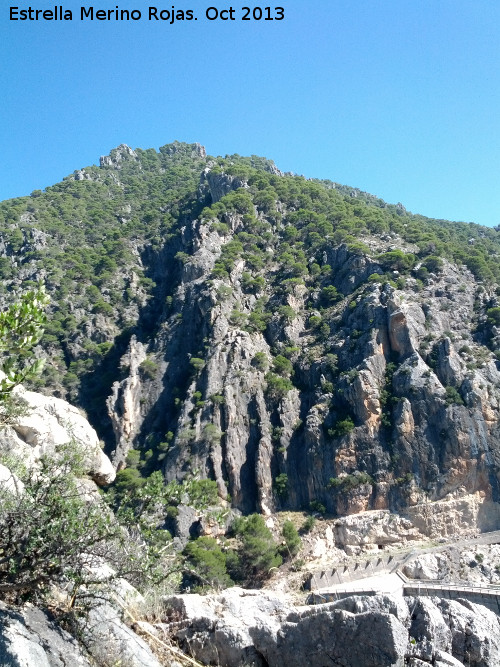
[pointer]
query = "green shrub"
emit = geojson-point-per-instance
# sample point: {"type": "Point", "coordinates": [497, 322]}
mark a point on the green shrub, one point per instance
{"type": "Point", "coordinates": [260, 361]}
{"type": "Point", "coordinates": [148, 369]}
{"type": "Point", "coordinates": [330, 295]}
{"type": "Point", "coordinates": [292, 540]}
{"type": "Point", "coordinates": [197, 364]}
{"type": "Point", "coordinates": [494, 315]}
{"type": "Point", "coordinates": [277, 386]}
{"type": "Point", "coordinates": [208, 561]}
{"type": "Point", "coordinates": [453, 397]}
{"type": "Point", "coordinates": [62, 531]}
{"type": "Point", "coordinates": [397, 260]}
{"type": "Point", "coordinates": [308, 524]}
{"type": "Point", "coordinates": [21, 327]}
{"type": "Point", "coordinates": [282, 366]}
{"type": "Point", "coordinates": [257, 552]}
{"type": "Point", "coordinates": [376, 278]}
{"type": "Point", "coordinates": [287, 313]}
{"type": "Point", "coordinates": [211, 434]}
{"type": "Point", "coordinates": [201, 493]}
{"type": "Point", "coordinates": [316, 506]}
{"type": "Point", "coordinates": [258, 320]}
{"type": "Point", "coordinates": [281, 485]}
{"type": "Point", "coordinates": [341, 428]}
{"type": "Point", "coordinates": [433, 264]}
{"type": "Point", "coordinates": [128, 480]}
{"type": "Point", "coordinates": [348, 482]}
{"type": "Point", "coordinates": [103, 307]}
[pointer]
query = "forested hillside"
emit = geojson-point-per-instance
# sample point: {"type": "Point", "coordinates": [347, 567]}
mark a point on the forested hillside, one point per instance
{"type": "Point", "coordinates": [299, 342]}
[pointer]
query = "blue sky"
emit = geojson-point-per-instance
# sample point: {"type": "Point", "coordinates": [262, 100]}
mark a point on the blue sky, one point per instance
{"type": "Point", "coordinates": [399, 98]}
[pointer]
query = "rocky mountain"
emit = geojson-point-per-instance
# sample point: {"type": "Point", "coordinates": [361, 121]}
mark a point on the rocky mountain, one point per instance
{"type": "Point", "coordinates": [302, 343]}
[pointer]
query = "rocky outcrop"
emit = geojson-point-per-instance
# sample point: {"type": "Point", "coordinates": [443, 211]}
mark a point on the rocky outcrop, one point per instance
{"type": "Point", "coordinates": [29, 637]}
{"type": "Point", "coordinates": [460, 513]}
{"type": "Point", "coordinates": [123, 405]}
{"type": "Point", "coordinates": [118, 156]}
{"type": "Point", "coordinates": [427, 566]}
{"type": "Point", "coordinates": [221, 184]}
{"type": "Point", "coordinates": [378, 527]}
{"type": "Point", "coordinates": [109, 640]}
{"type": "Point", "coordinates": [43, 423]}
{"type": "Point", "coordinates": [240, 627]}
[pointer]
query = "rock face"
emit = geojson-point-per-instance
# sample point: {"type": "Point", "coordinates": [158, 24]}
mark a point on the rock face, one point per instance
{"type": "Point", "coordinates": [240, 627]}
{"type": "Point", "coordinates": [124, 403]}
{"type": "Point", "coordinates": [29, 638]}
{"type": "Point", "coordinates": [44, 423]}
{"type": "Point", "coordinates": [409, 440]}
{"type": "Point", "coordinates": [427, 566]}
{"type": "Point", "coordinates": [424, 425]}
{"type": "Point", "coordinates": [378, 527]}
{"type": "Point", "coordinates": [109, 640]}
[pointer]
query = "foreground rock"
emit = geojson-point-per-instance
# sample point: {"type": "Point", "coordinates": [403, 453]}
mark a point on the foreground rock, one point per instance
{"type": "Point", "coordinates": [250, 628]}
{"type": "Point", "coordinates": [112, 642]}
{"type": "Point", "coordinates": [29, 638]}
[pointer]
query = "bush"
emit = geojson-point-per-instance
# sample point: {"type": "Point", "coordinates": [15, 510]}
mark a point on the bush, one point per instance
{"type": "Point", "coordinates": [257, 553]}
{"type": "Point", "coordinates": [292, 540]}
{"type": "Point", "coordinates": [148, 369]}
{"type": "Point", "coordinates": [197, 364]}
{"type": "Point", "coordinates": [260, 361]}
{"type": "Point", "coordinates": [282, 366]}
{"type": "Point", "coordinates": [341, 428]}
{"type": "Point", "coordinates": [376, 278]}
{"type": "Point", "coordinates": [433, 264]}
{"type": "Point", "coordinates": [211, 434]}
{"type": "Point", "coordinates": [453, 397]}
{"type": "Point", "coordinates": [21, 327]}
{"type": "Point", "coordinates": [281, 485]}
{"type": "Point", "coordinates": [103, 307]}
{"type": "Point", "coordinates": [202, 493]}
{"type": "Point", "coordinates": [277, 387]}
{"type": "Point", "coordinates": [287, 313]}
{"type": "Point", "coordinates": [208, 560]}
{"type": "Point", "coordinates": [494, 316]}
{"type": "Point", "coordinates": [316, 506]}
{"type": "Point", "coordinates": [128, 480]}
{"type": "Point", "coordinates": [329, 295]}
{"type": "Point", "coordinates": [308, 524]}
{"type": "Point", "coordinates": [397, 260]}
{"type": "Point", "coordinates": [349, 482]}
{"type": "Point", "coordinates": [63, 534]}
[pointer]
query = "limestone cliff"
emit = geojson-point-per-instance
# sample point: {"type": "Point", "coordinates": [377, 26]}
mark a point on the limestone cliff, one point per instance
{"type": "Point", "coordinates": [401, 362]}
